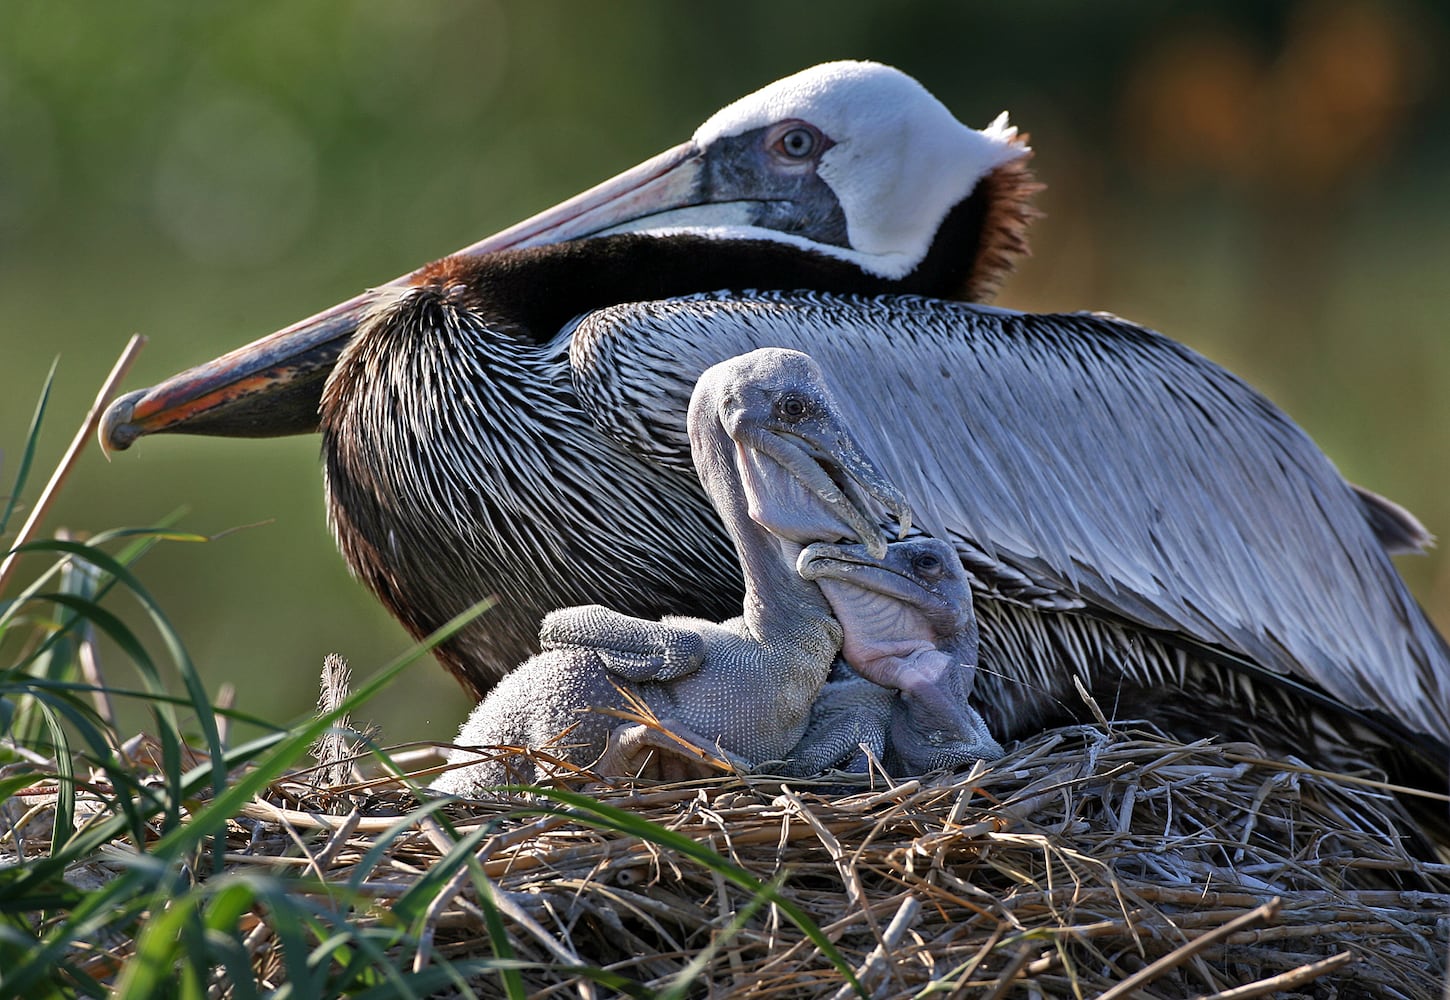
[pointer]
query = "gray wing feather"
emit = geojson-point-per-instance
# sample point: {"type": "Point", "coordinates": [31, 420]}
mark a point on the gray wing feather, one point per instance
{"type": "Point", "coordinates": [1096, 456]}
{"type": "Point", "coordinates": [1398, 530]}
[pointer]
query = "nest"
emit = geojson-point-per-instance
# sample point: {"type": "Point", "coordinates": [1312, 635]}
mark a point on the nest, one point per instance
{"type": "Point", "coordinates": [1086, 861]}
{"type": "Point", "coordinates": [1091, 860]}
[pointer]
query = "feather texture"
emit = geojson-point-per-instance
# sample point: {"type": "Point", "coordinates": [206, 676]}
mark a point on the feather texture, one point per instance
{"type": "Point", "coordinates": [1098, 459]}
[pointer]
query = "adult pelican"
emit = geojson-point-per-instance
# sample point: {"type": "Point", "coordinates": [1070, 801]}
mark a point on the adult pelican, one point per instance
{"type": "Point", "coordinates": [510, 420]}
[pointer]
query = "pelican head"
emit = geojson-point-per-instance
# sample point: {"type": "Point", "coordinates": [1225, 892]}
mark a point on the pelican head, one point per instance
{"type": "Point", "coordinates": [852, 159]}
{"type": "Point", "coordinates": [917, 587]}
{"type": "Point", "coordinates": [801, 471]}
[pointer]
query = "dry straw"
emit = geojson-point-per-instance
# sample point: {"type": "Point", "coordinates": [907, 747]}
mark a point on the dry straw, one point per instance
{"type": "Point", "coordinates": [1090, 861]}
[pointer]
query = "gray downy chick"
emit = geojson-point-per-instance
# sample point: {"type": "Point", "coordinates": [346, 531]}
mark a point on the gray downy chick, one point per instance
{"type": "Point", "coordinates": [909, 658]}
{"type": "Point", "coordinates": [783, 470]}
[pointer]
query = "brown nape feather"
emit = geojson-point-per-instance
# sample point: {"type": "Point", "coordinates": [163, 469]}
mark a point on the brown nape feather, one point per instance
{"type": "Point", "coordinates": [1007, 193]}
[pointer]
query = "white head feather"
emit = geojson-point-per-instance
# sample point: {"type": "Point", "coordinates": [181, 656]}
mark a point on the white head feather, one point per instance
{"type": "Point", "coordinates": [900, 160]}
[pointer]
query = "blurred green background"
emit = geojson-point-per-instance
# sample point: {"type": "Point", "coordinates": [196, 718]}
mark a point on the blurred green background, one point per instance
{"type": "Point", "coordinates": [1268, 182]}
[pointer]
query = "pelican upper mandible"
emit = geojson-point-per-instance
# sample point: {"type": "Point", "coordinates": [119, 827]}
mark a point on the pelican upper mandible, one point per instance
{"type": "Point", "coordinates": [510, 420]}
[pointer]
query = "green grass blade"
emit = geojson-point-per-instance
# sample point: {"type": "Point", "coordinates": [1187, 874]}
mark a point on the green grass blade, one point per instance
{"type": "Point", "coordinates": [17, 783]}
{"type": "Point", "coordinates": [271, 754]}
{"type": "Point", "coordinates": [498, 937]}
{"type": "Point", "coordinates": [65, 799]}
{"type": "Point", "coordinates": [18, 684]}
{"type": "Point", "coordinates": [169, 733]}
{"type": "Point", "coordinates": [229, 953]}
{"type": "Point", "coordinates": [382, 846]}
{"type": "Point", "coordinates": [231, 899]}
{"type": "Point", "coordinates": [83, 723]}
{"type": "Point", "coordinates": [109, 564]}
{"type": "Point", "coordinates": [27, 454]}
{"type": "Point", "coordinates": [143, 539]}
{"type": "Point", "coordinates": [412, 906]}
{"type": "Point", "coordinates": [115, 630]}
{"type": "Point", "coordinates": [174, 845]}
{"type": "Point", "coordinates": [158, 948]}
{"type": "Point", "coordinates": [148, 880]}
{"type": "Point", "coordinates": [50, 894]}
{"type": "Point", "coordinates": [168, 728]}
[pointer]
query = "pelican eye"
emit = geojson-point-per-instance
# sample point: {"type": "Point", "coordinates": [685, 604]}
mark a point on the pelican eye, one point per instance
{"type": "Point", "coordinates": [797, 142]}
{"type": "Point", "coordinates": [792, 407]}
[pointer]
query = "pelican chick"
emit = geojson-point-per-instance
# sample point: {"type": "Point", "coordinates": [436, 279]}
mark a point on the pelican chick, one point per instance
{"type": "Point", "coordinates": [909, 657]}
{"type": "Point", "coordinates": [783, 470]}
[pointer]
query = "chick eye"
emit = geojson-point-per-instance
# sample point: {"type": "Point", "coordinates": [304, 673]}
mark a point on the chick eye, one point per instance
{"type": "Point", "coordinates": [792, 407]}
{"type": "Point", "coordinates": [927, 565]}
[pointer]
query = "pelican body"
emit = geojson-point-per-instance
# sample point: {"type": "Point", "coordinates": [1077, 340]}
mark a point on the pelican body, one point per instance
{"type": "Point", "coordinates": [510, 421]}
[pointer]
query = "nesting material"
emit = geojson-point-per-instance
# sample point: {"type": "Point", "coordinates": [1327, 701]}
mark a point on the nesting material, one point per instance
{"type": "Point", "coordinates": [1088, 860]}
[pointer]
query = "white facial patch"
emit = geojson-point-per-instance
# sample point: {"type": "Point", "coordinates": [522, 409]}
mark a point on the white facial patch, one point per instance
{"type": "Point", "coordinates": [899, 161]}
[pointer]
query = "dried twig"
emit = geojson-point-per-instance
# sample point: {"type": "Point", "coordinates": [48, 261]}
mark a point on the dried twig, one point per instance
{"type": "Point", "coordinates": [1188, 949]}
{"type": "Point", "coordinates": [1286, 980]}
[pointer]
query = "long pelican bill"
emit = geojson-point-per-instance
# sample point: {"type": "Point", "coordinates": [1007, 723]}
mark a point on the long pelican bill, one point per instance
{"type": "Point", "coordinates": [271, 387]}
